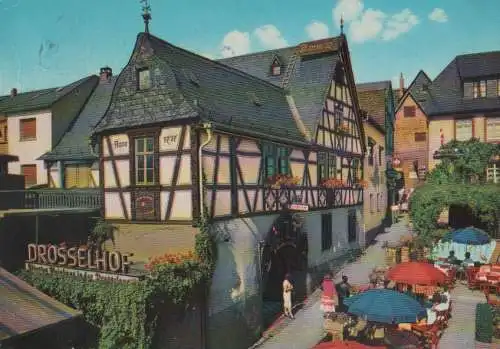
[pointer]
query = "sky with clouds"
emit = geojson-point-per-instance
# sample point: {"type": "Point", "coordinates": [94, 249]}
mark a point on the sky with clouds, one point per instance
{"type": "Point", "coordinates": [54, 42]}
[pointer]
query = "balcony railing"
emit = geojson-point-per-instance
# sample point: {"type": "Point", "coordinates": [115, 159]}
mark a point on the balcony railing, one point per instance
{"type": "Point", "coordinates": [276, 199]}
{"type": "Point", "coordinates": [50, 198]}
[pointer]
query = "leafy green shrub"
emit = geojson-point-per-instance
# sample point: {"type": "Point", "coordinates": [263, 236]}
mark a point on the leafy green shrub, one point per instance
{"type": "Point", "coordinates": [126, 313]}
{"type": "Point", "coordinates": [484, 323]}
{"type": "Point", "coordinates": [428, 201]}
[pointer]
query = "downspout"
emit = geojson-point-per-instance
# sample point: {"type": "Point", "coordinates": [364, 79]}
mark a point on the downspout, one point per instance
{"type": "Point", "coordinates": [207, 127]}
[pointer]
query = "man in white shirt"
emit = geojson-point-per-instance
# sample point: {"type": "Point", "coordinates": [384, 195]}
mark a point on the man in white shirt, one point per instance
{"type": "Point", "coordinates": [467, 262]}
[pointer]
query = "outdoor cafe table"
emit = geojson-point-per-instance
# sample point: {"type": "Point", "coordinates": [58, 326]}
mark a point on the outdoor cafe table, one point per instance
{"type": "Point", "coordinates": [489, 273]}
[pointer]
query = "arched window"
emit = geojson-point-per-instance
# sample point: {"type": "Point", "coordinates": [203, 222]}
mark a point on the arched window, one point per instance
{"type": "Point", "coordinates": [276, 67]}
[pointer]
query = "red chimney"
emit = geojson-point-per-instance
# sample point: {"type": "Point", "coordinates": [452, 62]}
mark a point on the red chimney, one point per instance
{"type": "Point", "coordinates": [13, 92]}
{"type": "Point", "coordinates": [106, 73]}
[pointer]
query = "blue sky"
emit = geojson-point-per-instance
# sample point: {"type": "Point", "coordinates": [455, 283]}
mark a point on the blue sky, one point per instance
{"type": "Point", "coordinates": [48, 43]}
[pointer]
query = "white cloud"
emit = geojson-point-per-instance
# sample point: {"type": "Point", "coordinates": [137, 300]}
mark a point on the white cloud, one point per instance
{"type": "Point", "coordinates": [367, 26]}
{"type": "Point", "coordinates": [317, 30]}
{"type": "Point", "coordinates": [371, 23]}
{"type": "Point", "coordinates": [235, 43]}
{"type": "Point", "coordinates": [438, 15]}
{"type": "Point", "coordinates": [270, 37]}
{"type": "Point", "coordinates": [399, 23]}
{"type": "Point", "coordinates": [347, 9]}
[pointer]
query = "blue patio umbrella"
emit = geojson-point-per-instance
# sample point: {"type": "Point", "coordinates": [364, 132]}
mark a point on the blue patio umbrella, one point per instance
{"type": "Point", "coordinates": [468, 236]}
{"type": "Point", "coordinates": [385, 306]}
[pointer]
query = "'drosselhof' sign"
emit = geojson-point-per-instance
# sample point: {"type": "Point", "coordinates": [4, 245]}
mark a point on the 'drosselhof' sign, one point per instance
{"type": "Point", "coordinates": [87, 261]}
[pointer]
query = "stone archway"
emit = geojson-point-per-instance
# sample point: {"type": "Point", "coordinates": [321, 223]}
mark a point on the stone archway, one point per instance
{"type": "Point", "coordinates": [284, 251]}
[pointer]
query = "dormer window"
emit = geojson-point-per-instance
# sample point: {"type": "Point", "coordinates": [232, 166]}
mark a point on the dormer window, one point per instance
{"type": "Point", "coordinates": [144, 79]}
{"type": "Point", "coordinates": [276, 67]}
{"type": "Point", "coordinates": [479, 89]}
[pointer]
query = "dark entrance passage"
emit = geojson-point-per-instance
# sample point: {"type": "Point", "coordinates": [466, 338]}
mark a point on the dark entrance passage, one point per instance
{"type": "Point", "coordinates": [284, 251]}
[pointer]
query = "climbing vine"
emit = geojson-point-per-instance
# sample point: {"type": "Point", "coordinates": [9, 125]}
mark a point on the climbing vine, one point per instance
{"type": "Point", "coordinates": [126, 313]}
{"type": "Point", "coordinates": [428, 201]}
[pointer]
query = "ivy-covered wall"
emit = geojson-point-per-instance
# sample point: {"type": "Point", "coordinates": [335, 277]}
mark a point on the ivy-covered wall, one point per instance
{"type": "Point", "coordinates": [132, 315]}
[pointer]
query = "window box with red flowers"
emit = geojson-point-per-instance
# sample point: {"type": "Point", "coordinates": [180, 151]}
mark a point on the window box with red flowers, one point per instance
{"type": "Point", "coordinates": [361, 184]}
{"type": "Point", "coordinates": [333, 183]}
{"type": "Point", "coordinates": [283, 181]}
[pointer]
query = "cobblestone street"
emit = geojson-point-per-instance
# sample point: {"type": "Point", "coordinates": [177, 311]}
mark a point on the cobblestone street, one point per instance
{"type": "Point", "coordinates": [306, 330]}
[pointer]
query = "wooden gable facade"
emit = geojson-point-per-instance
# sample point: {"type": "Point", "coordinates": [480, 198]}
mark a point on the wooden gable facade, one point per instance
{"type": "Point", "coordinates": [257, 157]}
{"type": "Point", "coordinates": [242, 173]}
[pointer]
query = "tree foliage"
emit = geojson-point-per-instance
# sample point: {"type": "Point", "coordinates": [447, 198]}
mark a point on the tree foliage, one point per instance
{"type": "Point", "coordinates": [428, 201]}
{"type": "Point", "coordinates": [463, 162]}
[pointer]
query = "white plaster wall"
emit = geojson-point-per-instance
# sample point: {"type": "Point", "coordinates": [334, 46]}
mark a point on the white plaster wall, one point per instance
{"type": "Point", "coordinates": [29, 151]}
{"type": "Point", "coordinates": [236, 275]}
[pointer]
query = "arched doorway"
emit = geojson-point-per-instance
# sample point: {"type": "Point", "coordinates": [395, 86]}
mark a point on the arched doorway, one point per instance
{"type": "Point", "coordinates": [284, 251]}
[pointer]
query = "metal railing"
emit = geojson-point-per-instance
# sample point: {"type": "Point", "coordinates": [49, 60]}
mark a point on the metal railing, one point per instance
{"type": "Point", "coordinates": [50, 198]}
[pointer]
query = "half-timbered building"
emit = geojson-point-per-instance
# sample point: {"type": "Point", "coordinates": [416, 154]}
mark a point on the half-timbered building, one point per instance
{"type": "Point", "coordinates": [274, 159]}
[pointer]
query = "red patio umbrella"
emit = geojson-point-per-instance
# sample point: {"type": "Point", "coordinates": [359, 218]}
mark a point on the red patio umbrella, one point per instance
{"type": "Point", "coordinates": [416, 273]}
{"type": "Point", "coordinates": [345, 345]}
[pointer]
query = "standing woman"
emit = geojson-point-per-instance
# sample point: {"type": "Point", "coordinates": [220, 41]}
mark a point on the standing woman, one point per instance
{"type": "Point", "coordinates": [287, 296]}
{"type": "Point", "coordinates": [329, 298]}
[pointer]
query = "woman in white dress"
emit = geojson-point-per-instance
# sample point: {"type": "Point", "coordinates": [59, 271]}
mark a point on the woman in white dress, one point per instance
{"type": "Point", "coordinates": [287, 296]}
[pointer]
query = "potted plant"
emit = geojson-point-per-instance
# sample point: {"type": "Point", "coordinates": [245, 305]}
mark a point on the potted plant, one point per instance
{"type": "Point", "coordinates": [283, 180]}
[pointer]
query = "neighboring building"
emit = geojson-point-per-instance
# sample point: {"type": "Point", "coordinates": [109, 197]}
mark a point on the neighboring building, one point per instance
{"type": "Point", "coordinates": [4, 140]}
{"type": "Point", "coordinates": [464, 101]}
{"type": "Point", "coordinates": [377, 101]}
{"type": "Point", "coordinates": [72, 163]}
{"type": "Point", "coordinates": [37, 120]}
{"type": "Point", "coordinates": [171, 109]}
{"type": "Point", "coordinates": [410, 141]}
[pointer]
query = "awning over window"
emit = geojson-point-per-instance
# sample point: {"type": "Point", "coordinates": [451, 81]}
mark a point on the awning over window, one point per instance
{"type": "Point", "coordinates": [24, 309]}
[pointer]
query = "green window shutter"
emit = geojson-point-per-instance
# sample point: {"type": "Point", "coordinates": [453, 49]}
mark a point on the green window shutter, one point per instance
{"type": "Point", "coordinates": [284, 161]}
{"type": "Point", "coordinates": [269, 160]}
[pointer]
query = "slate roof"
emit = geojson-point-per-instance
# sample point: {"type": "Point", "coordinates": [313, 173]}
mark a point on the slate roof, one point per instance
{"type": "Point", "coordinates": [36, 100]}
{"type": "Point", "coordinates": [446, 91]}
{"type": "Point", "coordinates": [74, 145]}
{"type": "Point", "coordinates": [416, 89]}
{"type": "Point", "coordinates": [372, 99]}
{"type": "Point", "coordinates": [24, 309]}
{"type": "Point", "coordinates": [309, 81]}
{"type": "Point", "coordinates": [221, 94]}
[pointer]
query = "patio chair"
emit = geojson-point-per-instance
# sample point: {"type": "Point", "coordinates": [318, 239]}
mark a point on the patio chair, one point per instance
{"type": "Point", "coordinates": [428, 334]}
{"type": "Point", "coordinates": [472, 282]}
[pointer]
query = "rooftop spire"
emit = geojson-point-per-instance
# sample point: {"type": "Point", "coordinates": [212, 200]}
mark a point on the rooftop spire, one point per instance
{"type": "Point", "coordinates": [342, 25]}
{"type": "Point", "coordinates": [146, 14]}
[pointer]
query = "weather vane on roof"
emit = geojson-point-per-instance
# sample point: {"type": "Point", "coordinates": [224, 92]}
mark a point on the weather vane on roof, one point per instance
{"type": "Point", "coordinates": [342, 24]}
{"type": "Point", "coordinates": [146, 14]}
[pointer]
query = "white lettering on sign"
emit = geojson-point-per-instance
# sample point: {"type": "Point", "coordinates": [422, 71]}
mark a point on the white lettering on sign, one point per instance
{"type": "Point", "coordinates": [298, 207]}
{"type": "Point", "coordinates": [77, 257]}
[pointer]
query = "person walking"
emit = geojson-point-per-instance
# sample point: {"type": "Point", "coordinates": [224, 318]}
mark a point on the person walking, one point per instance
{"type": "Point", "coordinates": [344, 291]}
{"type": "Point", "coordinates": [329, 298]}
{"type": "Point", "coordinates": [287, 296]}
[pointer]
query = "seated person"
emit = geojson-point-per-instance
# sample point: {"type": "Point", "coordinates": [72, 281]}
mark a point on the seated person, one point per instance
{"type": "Point", "coordinates": [428, 320]}
{"type": "Point", "coordinates": [409, 291]}
{"type": "Point", "coordinates": [441, 302]}
{"type": "Point", "coordinates": [467, 262]}
{"type": "Point", "coordinates": [451, 259]}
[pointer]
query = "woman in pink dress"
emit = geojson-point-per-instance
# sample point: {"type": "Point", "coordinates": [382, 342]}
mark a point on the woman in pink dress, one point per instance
{"type": "Point", "coordinates": [329, 299]}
